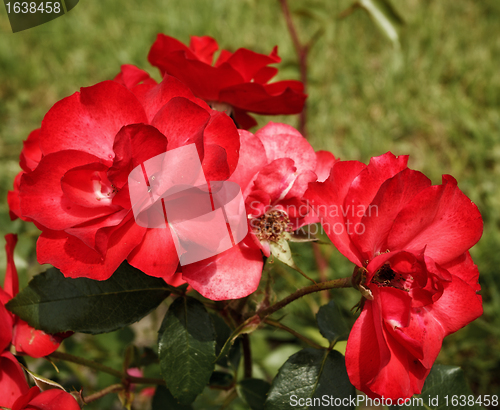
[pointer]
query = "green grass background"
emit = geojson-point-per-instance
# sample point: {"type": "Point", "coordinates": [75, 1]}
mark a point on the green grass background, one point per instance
{"type": "Point", "coordinates": [441, 105]}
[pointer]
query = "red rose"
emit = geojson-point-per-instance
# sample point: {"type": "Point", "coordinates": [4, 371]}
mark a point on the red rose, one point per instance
{"type": "Point", "coordinates": [274, 169]}
{"type": "Point", "coordinates": [16, 332]}
{"type": "Point", "coordinates": [28, 160]}
{"type": "Point", "coordinates": [77, 193]}
{"type": "Point", "coordinates": [53, 399]}
{"type": "Point", "coordinates": [12, 380]}
{"type": "Point", "coordinates": [130, 76]}
{"type": "Point", "coordinates": [410, 241]}
{"type": "Point", "coordinates": [237, 81]}
{"type": "Point", "coordinates": [24, 338]}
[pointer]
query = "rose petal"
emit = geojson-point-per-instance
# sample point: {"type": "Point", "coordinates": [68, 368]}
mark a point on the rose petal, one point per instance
{"type": "Point", "coordinates": [441, 219]}
{"type": "Point", "coordinates": [75, 259]}
{"type": "Point", "coordinates": [327, 201]}
{"type": "Point", "coordinates": [12, 381]}
{"type": "Point", "coordinates": [393, 195]}
{"type": "Point", "coordinates": [464, 268]}
{"type": "Point", "coordinates": [264, 100]}
{"type": "Point", "coordinates": [130, 76]}
{"type": "Point", "coordinates": [366, 185]}
{"type": "Point", "coordinates": [93, 233]}
{"type": "Point", "coordinates": [156, 254]}
{"type": "Point", "coordinates": [204, 48]}
{"type": "Point", "coordinates": [154, 98]}
{"type": "Point", "coordinates": [232, 274]}
{"type": "Point", "coordinates": [43, 199]}
{"type": "Point", "coordinates": [252, 159]}
{"type": "Point", "coordinates": [182, 122]}
{"type": "Point", "coordinates": [31, 153]}
{"type": "Point", "coordinates": [90, 120]}
{"type": "Point", "coordinates": [34, 343]}
{"type": "Point", "coordinates": [52, 399]}
{"type": "Point", "coordinates": [366, 336]}
{"type": "Point", "coordinates": [276, 179]}
{"type": "Point", "coordinates": [174, 58]}
{"type": "Point", "coordinates": [324, 164]}
{"type": "Point", "coordinates": [248, 63]}
{"type": "Point", "coordinates": [133, 145]}
{"type": "Point", "coordinates": [6, 322]}
{"type": "Point", "coordinates": [284, 141]}
{"type": "Point", "coordinates": [221, 132]}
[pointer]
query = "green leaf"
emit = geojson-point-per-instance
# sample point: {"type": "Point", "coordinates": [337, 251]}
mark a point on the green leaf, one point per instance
{"type": "Point", "coordinates": [444, 382]}
{"type": "Point", "coordinates": [57, 304]}
{"type": "Point", "coordinates": [385, 17]}
{"type": "Point", "coordinates": [253, 392]}
{"type": "Point", "coordinates": [42, 382]}
{"type": "Point", "coordinates": [331, 322]}
{"type": "Point", "coordinates": [223, 332]}
{"type": "Point", "coordinates": [163, 400]}
{"type": "Point", "coordinates": [306, 377]}
{"type": "Point", "coordinates": [187, 348]}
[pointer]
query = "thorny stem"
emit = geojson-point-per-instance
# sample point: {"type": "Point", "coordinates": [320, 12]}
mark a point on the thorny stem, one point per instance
{"type": "Point", "coordinates": [302, 52]}
{"type": "Point", "coordinates": [114, 388]}
{"type": "Point", "coordinates": [105, 369]}
{"type": "Point", "coordinates": [336, 283]}
{"type": "Point", "coordinates": [279, 325]}
{"type": "Point", "coordinates": [85, 362]}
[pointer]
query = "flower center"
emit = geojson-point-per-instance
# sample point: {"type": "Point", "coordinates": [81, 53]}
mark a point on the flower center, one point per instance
{"type": "Point", "coordinates": [221, 106]}
{"type": "Point", "coordinates": [271, 226]}
{"type": "Point", "coordinates": [102, 187]}
{"type": "Point", "coordinates": [387, 277]}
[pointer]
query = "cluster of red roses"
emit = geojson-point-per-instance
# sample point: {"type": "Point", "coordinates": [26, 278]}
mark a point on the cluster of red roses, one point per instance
{"type": "Point", "coordinates": [17, 335]}
{"type": "Point", "coordinates": [409, 238]}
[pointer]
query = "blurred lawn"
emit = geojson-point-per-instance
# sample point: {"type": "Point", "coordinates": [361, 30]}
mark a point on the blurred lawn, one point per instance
{"type": "Point", "coordinates": [442, 106]}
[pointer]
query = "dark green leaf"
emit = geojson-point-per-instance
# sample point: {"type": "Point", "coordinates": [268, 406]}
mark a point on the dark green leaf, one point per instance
{"type": "Point", "coordinates": [253, 392]}
{"type": "Point", "coordinates": [331, 322]}
{"type": "Point", "coordinates": [306, 377]}
{"type": "Point", "coordinates": [187, 348]}
{"type": "Point", "coordinates": [163, 400]}
{"type": "Point", "coordinates": [444, 388]}
{"type": "Point", "coordinates": [57, 304]}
